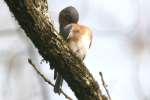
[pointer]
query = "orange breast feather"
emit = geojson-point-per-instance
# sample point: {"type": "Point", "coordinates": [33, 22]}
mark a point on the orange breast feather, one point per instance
{"type": "Point", "coordinates": [80, 39]}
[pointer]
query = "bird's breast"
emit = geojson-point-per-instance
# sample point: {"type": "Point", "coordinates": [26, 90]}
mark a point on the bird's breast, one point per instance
{"type": "Point", "coordinates": [79, 43]}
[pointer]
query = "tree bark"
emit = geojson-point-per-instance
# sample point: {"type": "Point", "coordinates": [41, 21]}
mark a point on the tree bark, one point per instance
{"type": "Point", "coordinates": [32, 15]}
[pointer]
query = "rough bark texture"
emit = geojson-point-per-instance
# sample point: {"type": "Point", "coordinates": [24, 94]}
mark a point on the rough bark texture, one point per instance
{"type": "Point", "coordinates": [32, 15]}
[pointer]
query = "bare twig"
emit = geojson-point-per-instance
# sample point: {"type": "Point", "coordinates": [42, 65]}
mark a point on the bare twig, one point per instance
{"type": "Point", "coordinates": [48, 81]}
{"type": "Point", "coordinates": [104, 85]}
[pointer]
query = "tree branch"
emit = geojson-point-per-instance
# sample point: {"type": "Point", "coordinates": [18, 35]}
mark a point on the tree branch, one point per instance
{"type": "Point", "coordinates": [46, 80]}
{"type": "Point", "coordinates": [32, 15]}
{"type": "Point", "coordinates": [104, 85]}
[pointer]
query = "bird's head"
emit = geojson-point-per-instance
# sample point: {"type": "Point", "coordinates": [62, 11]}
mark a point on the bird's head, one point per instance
{"type": "Point", "coordinates": [68, 15]}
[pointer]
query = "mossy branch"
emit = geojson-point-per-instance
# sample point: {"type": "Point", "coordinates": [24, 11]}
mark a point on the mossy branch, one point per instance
{"type": "Point", "coordinates": [32, 16]}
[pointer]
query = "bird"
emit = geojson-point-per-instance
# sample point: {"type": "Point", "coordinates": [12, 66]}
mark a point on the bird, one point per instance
{"type": "Point", "coordinates": [78, 38]}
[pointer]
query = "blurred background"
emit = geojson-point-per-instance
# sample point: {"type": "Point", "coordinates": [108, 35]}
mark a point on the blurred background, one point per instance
{"type": "Point", "coordinates": [120, 50]}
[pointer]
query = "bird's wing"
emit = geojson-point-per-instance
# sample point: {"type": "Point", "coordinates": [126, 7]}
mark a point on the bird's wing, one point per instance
{"type": "Point", "coordinates": [91, 37]}
{"type": "Point", "coordinates": [66, 31]}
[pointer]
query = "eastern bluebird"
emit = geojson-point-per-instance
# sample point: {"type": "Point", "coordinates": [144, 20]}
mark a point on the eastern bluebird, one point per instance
{"type": "Point", "coordinates": [78, 37]}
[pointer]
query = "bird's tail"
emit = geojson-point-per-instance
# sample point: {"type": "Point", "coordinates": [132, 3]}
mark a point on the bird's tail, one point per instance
{"type": "Point", "coordinates": [58, 84]}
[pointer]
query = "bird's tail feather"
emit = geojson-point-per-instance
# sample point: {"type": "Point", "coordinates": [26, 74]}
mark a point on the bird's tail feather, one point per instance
{"type": "Point", "coordinates": [58, 84]}
{"type": "Point", "coordinates": [55, 74]}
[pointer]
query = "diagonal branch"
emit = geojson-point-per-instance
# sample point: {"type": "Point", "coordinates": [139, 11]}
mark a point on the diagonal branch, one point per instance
{"type": "Point", "coordinates": [32, 15]}
{"type": "Point", "coordinates": [46, 80]}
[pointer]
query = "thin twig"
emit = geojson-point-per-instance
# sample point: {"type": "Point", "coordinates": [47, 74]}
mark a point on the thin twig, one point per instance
{"type": "Point", "coordinates": [48, 81]}
{"type": "Point", "coordinates": [104, 85]}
